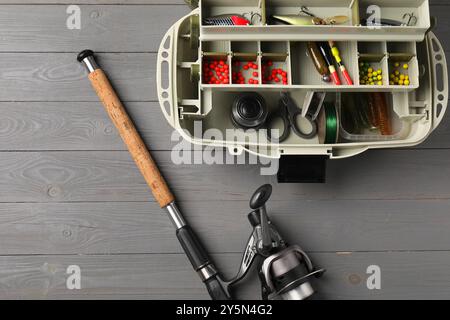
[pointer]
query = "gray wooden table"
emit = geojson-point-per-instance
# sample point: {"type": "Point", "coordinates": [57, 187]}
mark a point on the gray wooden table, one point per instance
{"type": "Point", "coordinates": [71, 195]}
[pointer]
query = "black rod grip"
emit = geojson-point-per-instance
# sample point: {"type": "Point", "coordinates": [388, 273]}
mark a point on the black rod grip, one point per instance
{"type": "Point", "coordinates": [199, 258]}
{"type": "Point", "coordinates": [216, 290]}
{"type": "Point", "coordinates": [193, 248]}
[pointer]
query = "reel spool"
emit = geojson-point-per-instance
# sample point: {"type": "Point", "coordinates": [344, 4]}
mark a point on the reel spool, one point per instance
{"type": "Point", "coordinates": [287, 275]}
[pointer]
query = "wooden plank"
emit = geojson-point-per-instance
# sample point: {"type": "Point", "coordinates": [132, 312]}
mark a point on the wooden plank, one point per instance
{"type": "Point", "coordinates": [113, 228]}
{"type": "Point", "coordinates": [112, 176]}
{"type": "Point", "coordinates": [170, 276]}
{"type": "Point", "coordinates": [120, 28]}
{"type": "Point", "coordinates": [76, 126]}
{"type": "Point", "coordinates": [59, 77]}
{"type": "Point", "coordinates": [107, 28]}
{"type": "Point", "coordinates": [85, 126]}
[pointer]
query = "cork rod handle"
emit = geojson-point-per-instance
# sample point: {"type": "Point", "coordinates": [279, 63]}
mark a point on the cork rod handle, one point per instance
{"type": "Point", "coordinates": [131, 137]}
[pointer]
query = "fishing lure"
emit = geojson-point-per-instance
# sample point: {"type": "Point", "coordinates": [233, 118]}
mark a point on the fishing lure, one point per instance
{"type": "Point", "coordinates": [409, 20]}
{"type": "Point", "coordinates": [319, 61]}
{"type": "Point", "coordinates": [384, 121]}
{"type": "Point", "coordinates": [306, 18]}
{"type": "Point", "coordinates": [299, 20]}
{"type": "Point", "coordinates": [226, 20]}
{"type": "Point", "coordinates": [337, 57]}
{"type": "Point", "coordinates": [329, 61]}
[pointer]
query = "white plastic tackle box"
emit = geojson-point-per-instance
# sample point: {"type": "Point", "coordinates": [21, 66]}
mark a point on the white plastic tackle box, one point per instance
{"type": "Point", "coordinates": [416, 107]}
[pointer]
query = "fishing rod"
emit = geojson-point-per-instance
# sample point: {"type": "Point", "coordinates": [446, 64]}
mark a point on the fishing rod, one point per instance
{"type": "Point", "coordinates": [285, 271]}
{"type": "Point", "coordinates": [193, 248]}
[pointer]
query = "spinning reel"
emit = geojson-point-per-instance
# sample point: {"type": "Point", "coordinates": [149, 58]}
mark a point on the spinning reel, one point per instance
{"type": "Point", "coordinates": [284, 271]}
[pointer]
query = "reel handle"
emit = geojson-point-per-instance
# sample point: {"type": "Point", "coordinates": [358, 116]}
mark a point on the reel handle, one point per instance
{"type": "Point", "coordinates": [261, 196]}
{"type": "Point", "coordinates": [258, 204]}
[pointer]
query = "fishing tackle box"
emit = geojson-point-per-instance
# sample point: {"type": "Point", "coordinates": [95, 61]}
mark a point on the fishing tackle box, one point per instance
{"type": "Point", "coordinates": [186, 99]}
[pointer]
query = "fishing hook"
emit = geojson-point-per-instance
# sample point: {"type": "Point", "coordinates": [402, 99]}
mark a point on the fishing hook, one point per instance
{"type": "Point", "coordinates": [305, 10]}
{"type": "Point", "coordinates": [412, 19]}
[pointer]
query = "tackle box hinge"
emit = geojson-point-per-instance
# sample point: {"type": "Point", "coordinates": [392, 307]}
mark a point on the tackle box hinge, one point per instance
{"type": "Point", "coordinates": [302, 169]}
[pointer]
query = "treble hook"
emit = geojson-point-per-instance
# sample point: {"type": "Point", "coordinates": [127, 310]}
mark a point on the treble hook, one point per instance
{"type": "Point", "coordinates": [412, 21]}
{"type": "Point", "coordinates": [252, 16]}
{"type": "Point", "coordinates": [305, 10]}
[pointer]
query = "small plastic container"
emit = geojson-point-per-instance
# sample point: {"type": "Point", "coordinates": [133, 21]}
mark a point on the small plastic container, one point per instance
{"type": "Point", "coordinates": [400, 128]}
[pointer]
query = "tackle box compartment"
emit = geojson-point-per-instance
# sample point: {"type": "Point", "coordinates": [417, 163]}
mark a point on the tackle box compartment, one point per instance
{"type": "Point", "coordinates": [356, 10]}
{"type": "Point", "coordinates": [188, 98]}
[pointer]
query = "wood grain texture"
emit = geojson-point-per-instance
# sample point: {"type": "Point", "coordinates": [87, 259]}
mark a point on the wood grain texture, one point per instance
{"type": "Point", "coordinates": [113, 176]}
{"type": "Point", "coordinates": [141, 228]}
{"type": "Point", "coordinates": [60, 77]}
{"type": "Point", "coordinates": [76, 126]}
{"type": "Point", "coordinates": [405, 275]}
{"type": "Point", "coordinates": [130, 136]}
{"type": "Point", "coordinates": [121, 28]}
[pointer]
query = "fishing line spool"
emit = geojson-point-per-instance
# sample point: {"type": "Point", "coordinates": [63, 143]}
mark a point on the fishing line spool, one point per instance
{"type": "Point", "coordinates": [328, 124]}
{"type": "Point", "coordinates": [249, 111]}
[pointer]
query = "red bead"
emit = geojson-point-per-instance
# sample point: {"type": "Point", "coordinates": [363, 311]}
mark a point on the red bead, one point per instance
{"type": "Point", "coordinates": [255, 74]}
{"type": "Point", "coordinates": [246, 67]}
{"type": "Point", "coordinates": [269, 63]}
{"type": "Point", "coordinates": [276, 80]}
